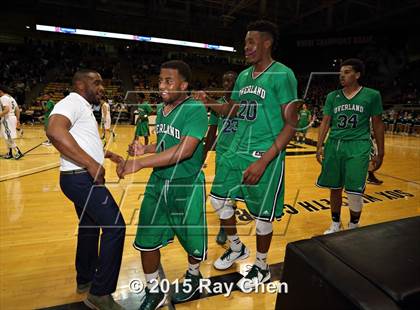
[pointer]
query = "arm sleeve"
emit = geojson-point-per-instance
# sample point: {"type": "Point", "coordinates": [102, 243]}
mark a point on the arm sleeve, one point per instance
{"type": "Point", "coordinates": [328, 105]}
{"type": "Point", "coordinates": [286, 87]}
{"type": "Point", "coordinates": [196, 122]}
{"type": "Point", "coordinates": [376, 107]}
{"type": "Point", "coordinates": [67, 109]}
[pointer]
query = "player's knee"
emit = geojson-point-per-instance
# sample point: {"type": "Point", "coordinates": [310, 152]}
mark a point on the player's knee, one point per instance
{"type": "Point", "coordinates": [263, 227]}
{"type": "Point", "coordinates": [223, 207]}
{"type": "Point", "coordinates": [355, 202]}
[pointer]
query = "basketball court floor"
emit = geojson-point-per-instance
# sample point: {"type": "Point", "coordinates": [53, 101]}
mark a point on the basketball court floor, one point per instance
{"type": "Point", "coordinates": [38, 223]}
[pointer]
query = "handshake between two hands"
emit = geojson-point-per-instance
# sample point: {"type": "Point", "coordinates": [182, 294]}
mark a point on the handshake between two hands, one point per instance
{"type": "Point", "coordinates": [124, 167]}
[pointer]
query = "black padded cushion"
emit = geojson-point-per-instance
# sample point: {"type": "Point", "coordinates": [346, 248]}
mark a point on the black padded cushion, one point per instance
{"type": "Point", "coordinates": [318, 280]}
{"type": "Point", "coordinates": [387, 254]}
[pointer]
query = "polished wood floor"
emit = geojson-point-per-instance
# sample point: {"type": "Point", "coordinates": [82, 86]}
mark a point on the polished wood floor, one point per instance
{"type": "Point", "coordinates": [38, 224]}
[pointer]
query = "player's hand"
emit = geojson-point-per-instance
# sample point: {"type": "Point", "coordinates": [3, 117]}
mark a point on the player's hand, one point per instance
{"type": "Point", "coordinates": [254, 172]}
{"type": "Point", "coordinates": [97, 172]}
{"type": "Point", "coordinates": [377, 161]}
{"type": "Point", "coordinates": [200, 95]}
{"type": "Point", "coordinates": [115, 158]}
{"type": "Point", "coordinates": [320, 154]}
{"type": "Point", "coordinates": [17, 125]}
{"type": "Point", "coordinates": [128, 167]}
{"type": "Point", "coordinates": [136, 149]}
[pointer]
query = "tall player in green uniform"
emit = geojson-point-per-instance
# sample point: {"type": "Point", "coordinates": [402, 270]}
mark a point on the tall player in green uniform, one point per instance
{"type": "Point", "coordinates": [253, 167]}
{"type": "Point", "coordinates": [174, 201]}
{"type": "Point", "coordinates": [303, 124]}
{"type": "Point", "coordinates": [48, 107]}
{"type": "Point", "coordinates": [345, 158]}
{"type": "Point", "coordinates": [226, 129]}
{"type": "Point", "coordinates": [142, 127]}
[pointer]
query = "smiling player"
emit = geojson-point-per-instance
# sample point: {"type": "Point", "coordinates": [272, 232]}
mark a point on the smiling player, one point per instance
{"type": "Point", "coordinates": [174, 202]}
{"type": "Point", "coordinates": [253, 167]}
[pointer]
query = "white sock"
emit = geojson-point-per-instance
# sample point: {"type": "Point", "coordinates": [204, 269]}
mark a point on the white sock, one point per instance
{"type": "Point", "coordinates": [235, 242]}
{"type": "Point", "coordinates": [261, 260]}
{"type": "Point", "coordinates": [150, 279]}
{"type": "Point", "coordinates": [194, 269]}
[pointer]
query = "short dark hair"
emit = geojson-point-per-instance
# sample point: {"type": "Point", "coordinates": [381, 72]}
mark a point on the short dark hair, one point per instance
{"type": "Point", "coordinates": [81, 74]}
{"type": "Point", "coordinates": [183, 68]}
{"type": "Point", "coordinates": [141, 95]}
{"type": "Point", "coordinates": [265, 26]}
{"type": "Point", "coordinates": [4, 89]}
{"type": "Point", "coordinates": [356, 64]}
{"type": "Point", "coordinates": [235, 75]}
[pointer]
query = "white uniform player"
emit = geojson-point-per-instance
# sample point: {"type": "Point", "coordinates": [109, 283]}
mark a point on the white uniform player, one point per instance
{"type": "Point", "coordinates": [106, 120]}
{"type": "Point", "coordinates": [8, 123]}
{"type": "Point", "coordinates": [106, 116]}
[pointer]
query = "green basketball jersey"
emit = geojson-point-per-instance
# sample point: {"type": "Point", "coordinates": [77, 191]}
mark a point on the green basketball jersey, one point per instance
{"type": "Point", "coordinates": [304, 118]}
{"type": "Point", "coordinates": [144, 110]}
{"type": "Point", "coordinates": [259, 116]}
{"type": "Point", "coordinates": [226, 128]}
{"type": "Point", "coordinates": [49, 106]}
{"type": "Point", "coordinates": [187, 119]}
{"type": "Point", "coordinates": [350, 118]}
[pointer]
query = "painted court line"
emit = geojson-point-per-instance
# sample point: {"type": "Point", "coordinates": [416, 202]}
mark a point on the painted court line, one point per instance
{"type": "Point", "coordinates": [29, 171]}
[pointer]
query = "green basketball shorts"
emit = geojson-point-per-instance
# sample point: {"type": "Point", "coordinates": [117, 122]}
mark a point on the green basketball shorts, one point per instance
{"type": "Point", "coordinates": [345, 165]}
{"type": "Point", "coordinates": [174, 208]}
{"type": "Point", "coordinates": [142, 129]}
{"type": "Point", "coordinates": [265, 199]}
